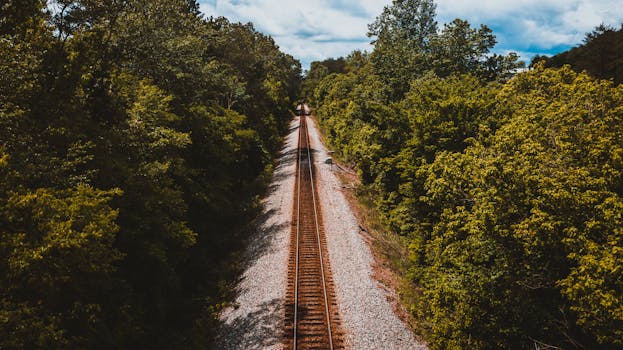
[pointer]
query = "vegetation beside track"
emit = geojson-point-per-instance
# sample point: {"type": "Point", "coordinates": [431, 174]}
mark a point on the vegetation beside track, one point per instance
{"type": "Point", "coordinates": [135, 138]}
{"type": "Point", "coordinates": [506, 186]}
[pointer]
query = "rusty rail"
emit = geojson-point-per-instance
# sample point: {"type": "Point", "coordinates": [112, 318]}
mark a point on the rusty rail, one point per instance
{"type": "Point", "coordinates": [312, 321]}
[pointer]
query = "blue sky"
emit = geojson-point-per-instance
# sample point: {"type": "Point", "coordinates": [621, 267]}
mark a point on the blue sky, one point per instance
{"type": "Point", "coordinates": [317, 29]}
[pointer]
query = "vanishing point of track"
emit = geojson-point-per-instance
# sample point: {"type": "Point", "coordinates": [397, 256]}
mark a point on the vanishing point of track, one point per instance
{"type": "Point", "coordinates": [312, 320]}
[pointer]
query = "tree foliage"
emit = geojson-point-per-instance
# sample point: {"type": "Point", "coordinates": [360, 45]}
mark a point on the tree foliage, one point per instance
{"type": "Point", "coordinates": [135, 137]}
{"type": "Point", "coordinates": [402, 36]}
{"type": "Point", "coordinates": [408, 45]}
{"type": "Point", "coordinates": [600, 54]}
{"type": "Point", "coordinates": [507, 190]}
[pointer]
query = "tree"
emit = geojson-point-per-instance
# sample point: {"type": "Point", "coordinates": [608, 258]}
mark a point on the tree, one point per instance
{"type": "Point", "coordinates": [537, 59]}
{"type": "Point", "coordinates": [508, 195]}
{"type": "Point", "coordinates": [526, 222]}
{"type": "Point", "coordinates": [461, 49]}
{"type": "Point", "coordinates": [409, 22]}
{"type": "Point", "coordinates": [316, 73]}
{"type": "Point", "coordinates": [356, 61]}
{"type": "Point", "coordinates": [135, 139]}
{"type": "Point", "coordinates": [402, 35]}
{"type": "Point", "coordinates": [408, 45]}
{"type": "Point", "coordinates": [600, 30]}
{"type": "Point", "coordinates": [15, 15]}
{"type": "Point", "coordinates": [58, 285]}
{"type": "Point", "coordinates": [600, 54]}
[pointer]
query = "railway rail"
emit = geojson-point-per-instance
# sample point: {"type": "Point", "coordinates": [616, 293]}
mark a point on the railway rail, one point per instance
{"type": "Point", "coordinates": [312, 319]}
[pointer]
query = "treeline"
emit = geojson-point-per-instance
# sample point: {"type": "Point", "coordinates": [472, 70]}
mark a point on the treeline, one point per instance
{"type": "Point", "coordinates": [135, 137]}
{"type": "Point", "coordinates": [507, 188]}
{"type": "Point", "coordinates": [601, 55]}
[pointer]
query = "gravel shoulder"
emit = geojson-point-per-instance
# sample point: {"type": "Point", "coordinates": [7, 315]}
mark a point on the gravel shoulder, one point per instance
{"type": "Point", "coordinates": [367, 313]}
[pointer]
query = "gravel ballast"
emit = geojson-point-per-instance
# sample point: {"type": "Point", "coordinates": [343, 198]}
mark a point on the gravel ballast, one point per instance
{"type": "Point", "coordinates": [255, 320]}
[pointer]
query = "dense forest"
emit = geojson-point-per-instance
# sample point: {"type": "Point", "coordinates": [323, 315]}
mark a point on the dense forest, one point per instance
{"type": "Point", "coordinates": [135, 138]}
{"type": "Point", "coordinates": [506, 187]}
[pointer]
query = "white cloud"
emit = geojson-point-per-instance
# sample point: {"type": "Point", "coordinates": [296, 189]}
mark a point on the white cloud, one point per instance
{"type": "Point", "coordinates": [314, 30]}
{"type": "Point", "coordinates": [543, 24]}
{"type": "Point", "coordinates": [318, 29]}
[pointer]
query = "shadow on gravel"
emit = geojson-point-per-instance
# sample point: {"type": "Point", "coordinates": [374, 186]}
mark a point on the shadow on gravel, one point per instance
{"type": "Point", "coordinates": [292, 128]}
{"type": "Point", "coordinates": [261, 243]}
{"type": "Point", "coordinates": [286, 159]}
{"type": "Point", "coordinates": [262, 326]}
{"type": "Point", "coordinates": [257, 330]}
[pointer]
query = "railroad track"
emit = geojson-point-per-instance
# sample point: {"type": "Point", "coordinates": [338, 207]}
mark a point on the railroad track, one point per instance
{"type": "Point", "coordinates": [312, 319]}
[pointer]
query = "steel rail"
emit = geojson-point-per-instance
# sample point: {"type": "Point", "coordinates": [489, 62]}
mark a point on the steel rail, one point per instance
{"type": "Point", "coordinates": [324, 284]}
{"type": "Point", "coordinates": [298, 226]}
{"type": "Point", "coordinates": [317, 227]}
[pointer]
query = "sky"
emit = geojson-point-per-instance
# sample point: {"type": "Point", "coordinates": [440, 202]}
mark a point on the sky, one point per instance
{"type": "Point", "coordinates": [313, 30]}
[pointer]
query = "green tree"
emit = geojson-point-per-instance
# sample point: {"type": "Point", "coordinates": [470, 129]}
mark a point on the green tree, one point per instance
{"type": "Point", "coordinates": [401, 37]}
{"type": "Point", "coordinates": [58, 268]}
{"type": "Point", "coordinates": [17, 15]}
{"type": "Point", "coordinates": [135, 139]}
{"type": "Point", "coordinates": [509, 196]}
{"type": "Point", "coordinates": [461, 49]}
{"type": "Point", "coordinates": [407, 45]}
{"type": "Point", "coordinates": [599, 54]}
{"type": "Point", "coordinates": [523, 218]}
